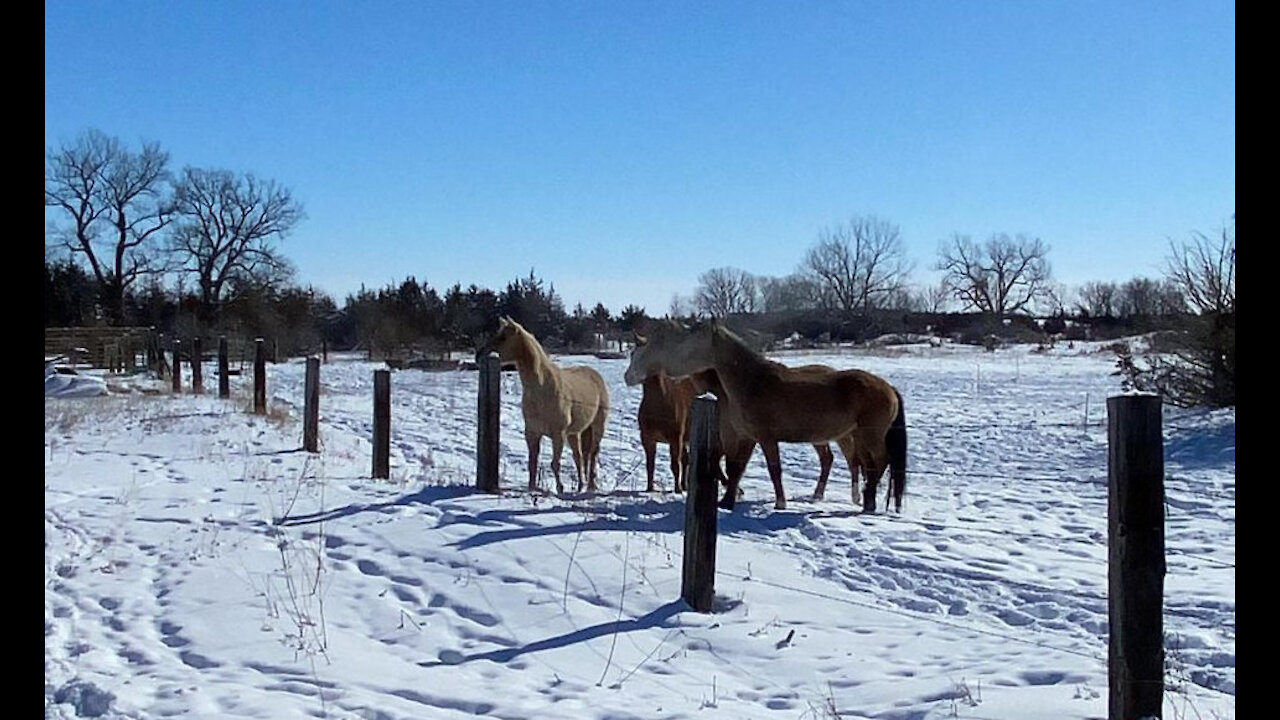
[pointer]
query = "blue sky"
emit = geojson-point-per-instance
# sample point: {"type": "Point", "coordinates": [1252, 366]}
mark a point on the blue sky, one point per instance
{"type": "Point", "coordinates": [620, 149]}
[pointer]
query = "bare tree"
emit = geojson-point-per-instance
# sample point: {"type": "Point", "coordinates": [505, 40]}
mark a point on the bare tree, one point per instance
{"type": "Point", "coordinates": [1146, 297]}
{"type": "Point", "coordinates": [1003, 276]}
{"type": "Point", "coordinates": [931, 299]}
{"type": "Point", "coordinates": [1204, 269]}
{"type": "Point", "coordinates": [229, 224]}
{"type": "Point", "coordinates": [1099, 299]}
{"type": "Point", "coordinates": [726, 290]}
{"type": "Point", "coordinates": [859, 265]}
{"type": "Point", "coordinates": [1198, 366]}
{"type": "Point", "coordinates": [793, 292]}
{"type": "Point", "coordinates": [117, 203]}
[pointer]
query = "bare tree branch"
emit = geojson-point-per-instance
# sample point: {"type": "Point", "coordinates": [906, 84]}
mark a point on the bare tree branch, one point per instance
{"type": "Point", "coordinates": [229, 224]}
{"type": "Point", "coordinates": [1003, 276]}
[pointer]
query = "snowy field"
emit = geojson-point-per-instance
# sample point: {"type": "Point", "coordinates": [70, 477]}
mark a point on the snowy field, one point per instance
{"type": "Point", "coordinates": [199, 564]}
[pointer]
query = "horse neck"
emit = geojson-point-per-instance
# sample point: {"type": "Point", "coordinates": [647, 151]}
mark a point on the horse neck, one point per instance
{"type": "Point", "coordinates": [736, 365]}
{"type": "Point", "coordinates": [533, 363]}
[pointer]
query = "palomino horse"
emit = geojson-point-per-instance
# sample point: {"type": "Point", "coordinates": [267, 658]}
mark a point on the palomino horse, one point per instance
{"type": "Point", "coordinates": [569, 404]}
{"type": "Point", "coordinates": [773, 403]}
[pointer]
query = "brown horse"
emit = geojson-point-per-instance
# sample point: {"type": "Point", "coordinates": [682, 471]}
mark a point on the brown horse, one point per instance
{"type": "Point", "coordinates": [773, 403]}
{"type": "Point", "coordinates": [664, 418]}
{"type": "Point", "coordinates": [736, 447]}
{"type": "Point", "coordinates": [569, 405]}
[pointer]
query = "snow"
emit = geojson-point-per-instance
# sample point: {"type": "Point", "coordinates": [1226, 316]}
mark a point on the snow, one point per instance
{"type": "Point", "coordinates": [61, 380]}
{"type": "Point", "coordinates": [199, 563]}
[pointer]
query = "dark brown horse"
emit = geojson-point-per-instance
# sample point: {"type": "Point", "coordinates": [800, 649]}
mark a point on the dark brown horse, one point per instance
{"type": "Point", "coordinates": [570, 404]}
{"type": "Point", "coordinates": [773, 403]}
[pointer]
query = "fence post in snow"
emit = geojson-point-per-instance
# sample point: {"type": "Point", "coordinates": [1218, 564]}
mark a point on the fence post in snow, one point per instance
{"type": "Point", "coordinates": [1136, 567]}
{"type": "Point", "coordinates": [488, 403]}
{"type": "Point", "coordinates": [224, 379]}
{"type": "Point", "coordinates": [177, 366]}
{"type": "Point", "coordinates": [382, 424]}
{"type": "Point", "coordinates": [260, 377]}
{"type": "Point", "coordinates": [197, 371]}
{"type": "Point", "coordinates": [311, 407]}
{"type": "Point", "coordinates": [697, 586]}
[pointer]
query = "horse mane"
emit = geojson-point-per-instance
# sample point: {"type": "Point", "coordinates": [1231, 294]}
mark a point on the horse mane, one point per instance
{"type": "Point", "coordinates": [540, 359]}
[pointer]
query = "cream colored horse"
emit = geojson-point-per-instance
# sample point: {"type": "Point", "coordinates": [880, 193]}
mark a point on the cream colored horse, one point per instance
{"type": "Point", "coordinates": [570, 405]}
{"type": "Point", "coordinates": [773, 403]}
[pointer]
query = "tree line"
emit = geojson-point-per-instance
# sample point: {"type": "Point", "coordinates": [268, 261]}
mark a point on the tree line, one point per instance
{"type": "Point", "coordinates": [131, 241]}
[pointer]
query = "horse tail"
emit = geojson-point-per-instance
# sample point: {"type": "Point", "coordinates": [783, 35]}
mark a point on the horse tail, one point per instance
{"type": "Point", "coordinates": [896, 443]}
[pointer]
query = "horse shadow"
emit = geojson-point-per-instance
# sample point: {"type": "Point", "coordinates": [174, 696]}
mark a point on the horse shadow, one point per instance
{"type": "Point", "coordinates": [424, 496]}
{"type": "Point", "coordinates": [644, 515]}
{"type": "Point", "coordinates": [656, 618]}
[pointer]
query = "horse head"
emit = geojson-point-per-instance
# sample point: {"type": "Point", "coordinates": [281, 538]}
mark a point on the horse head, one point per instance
{"type": "Point", "coordinates": [504, 341]}
{"type": "Point", "coordinates": [665, 347]}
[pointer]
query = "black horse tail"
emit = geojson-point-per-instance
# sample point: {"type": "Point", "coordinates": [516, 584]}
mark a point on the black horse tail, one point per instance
{"type": "Point", "coordinates": [896, 443]}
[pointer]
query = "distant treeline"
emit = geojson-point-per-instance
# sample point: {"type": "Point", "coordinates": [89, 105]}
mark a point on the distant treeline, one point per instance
{"type": "Point", "coordinates": [413, 318]}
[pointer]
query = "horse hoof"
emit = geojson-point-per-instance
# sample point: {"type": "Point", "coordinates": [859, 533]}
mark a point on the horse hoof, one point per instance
{"type": "Point", "coordinates": [780, 506]}
{"type": "Point", "coordinates": [725, 504]}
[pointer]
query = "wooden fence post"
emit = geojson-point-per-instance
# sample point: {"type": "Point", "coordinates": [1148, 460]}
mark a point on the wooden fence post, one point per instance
{"type": "Point", "coordinates": [150, 351]}
{"type": "Point", "coordinates": [177, 366]}
{"type": "Point", "coordinates": [697, 586]}
{"type": "Point", "coordinates": [197, 367]}
{"type": "Point", "coordinates": [324, 351]}
{"type": "Point", "coordinates": [1136, 567]}
{"type": "Point", "coordinates": [162, 367]}
{"type": "Point", "coordinates": [260, 376]}
{"type": "Point", "coordinates": [311, 407]}
{"type": "Point", "coordinates": [488, 404]}
{"type": "Point", "coordinates": [382, 424]}
{"type": "Point", "coordinates": [224, 375]}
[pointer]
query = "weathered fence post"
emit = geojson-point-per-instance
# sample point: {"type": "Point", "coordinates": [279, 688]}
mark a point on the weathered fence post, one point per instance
{"type": "Point", "coordinates": [311, 407]}
{"type": "Point", "coordinates": [260, 376]}
{"type": "Point", "coordinates": [1136, 568]}
{"type": "Point", "coordinates": [487, 405]}
{"type": "Point", "coordinates": [161, 368]}
{"type": "Point", "coordinates": [382, 424]}
{"type": "Point", "coordinates": [697, 586]}
{"type": "Point", "coordinates": [150, 351]}
{"type": "Point", "coordinates": [177, 366]}
{"type": "Point", "coordinates": [197, 367]}
{"type": "Point", "coordinates": [224, 374]}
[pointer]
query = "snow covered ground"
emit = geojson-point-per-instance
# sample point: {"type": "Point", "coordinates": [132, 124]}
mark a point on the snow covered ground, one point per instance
{"type": "Point", "coordinates": [199, 564]}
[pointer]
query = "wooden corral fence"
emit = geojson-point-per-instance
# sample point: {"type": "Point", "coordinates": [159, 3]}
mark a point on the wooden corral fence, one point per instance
{"type": "Point", "coordinates": [117, 349]}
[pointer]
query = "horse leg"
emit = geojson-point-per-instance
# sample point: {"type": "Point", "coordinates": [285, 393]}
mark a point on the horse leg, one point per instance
{"type": "Point", "coordinates": [825, 461]}
{"type": "Point", "coordinates": [589, 446]}
{"type": "Point", "coordinates": [533, 441]}
{"type": "Point", "coordinates": [557, 447]}
{"type": "Point", "coordinates": [677, 463]}
{"type": "Point", "coordinates": [874, 458]}
{"type": "Point", "coordinates": [849, 449]}
{"type": "Point", "coordinates": [576, 442]}
{"type": "Point", "coordinates": [735, 465]}
{"type": "Point", "coordinates": [650, 456]}
{"type": "Point", "coordinates": [774, 461]}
